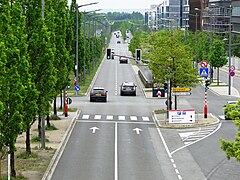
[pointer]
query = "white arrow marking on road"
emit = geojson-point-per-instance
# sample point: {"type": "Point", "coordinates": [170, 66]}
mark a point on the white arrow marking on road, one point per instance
{"type": "Point", "coordinates": [94, 129]}
{"type": "Point", "coordinates": [137, 130]}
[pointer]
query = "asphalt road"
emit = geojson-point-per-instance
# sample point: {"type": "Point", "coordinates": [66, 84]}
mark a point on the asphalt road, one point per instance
{"type": "Point", "coordinates": [119, 140]}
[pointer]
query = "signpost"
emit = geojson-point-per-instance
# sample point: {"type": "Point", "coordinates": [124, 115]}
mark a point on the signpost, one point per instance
{"type": "Point", "coordinates": [182, 89]}
{"type": "Point", "coordinates": [181, 93]}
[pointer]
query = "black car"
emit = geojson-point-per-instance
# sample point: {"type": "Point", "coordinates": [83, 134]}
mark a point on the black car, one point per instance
{"type": "Point", "coordinates": [128, 88]}
{"type": "Point", "coordinates": [123, 60]}
{"type": "Point", "coordinates": [98, 94]}
{"type": "Point", "coordinates": [118, 42]}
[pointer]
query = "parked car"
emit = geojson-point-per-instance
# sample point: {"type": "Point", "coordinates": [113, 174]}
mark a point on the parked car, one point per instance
{"type": "Point", "coordinates": [118, 42]}
{"type": "Point", "coordinates": [98, 94]}
{"type": "Point", "coordinates": [123, 60]}
{"type": "Point", "coordinates": [228, 107]}
{"type": "Point", "coordinates": [128, 88]}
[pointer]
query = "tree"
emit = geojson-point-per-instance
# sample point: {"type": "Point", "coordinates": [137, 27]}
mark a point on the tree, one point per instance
{"type": "Point", "coordinates": [232, 148]}
{"type": "Point", "coordinates": [171, 60]}
{"type": "Point", "coordinates": [217, 55]}
{"type": "Point", "coordinates": [236, 49]}
{"type": "Point", "coordinates": [15, 77]}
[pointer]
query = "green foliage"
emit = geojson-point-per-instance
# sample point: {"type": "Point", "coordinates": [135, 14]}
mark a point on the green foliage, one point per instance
{"type": "Point", "coordinates": [171, 60]}
{"type": "Point", "coordinates": [51, 128]}
{"type": "Point", "coordinates": [217, 55]}
{"type": "Point", "coordinates": [25, 155]}
{"type": "Point", "coordinates": [54, 117]}
{"type": "Point", "coordinates": [232, 148]}
{"type": "Point", "coordinates": [235, 49]}
{"type": "Point", "coordinates": [124, 16]}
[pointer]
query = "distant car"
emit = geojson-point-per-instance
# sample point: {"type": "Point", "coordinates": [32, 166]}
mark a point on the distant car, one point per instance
{"type": "Point", "coordinates": [118, 42]}
{"type": "Point", "coordinates": [229, 106]}
{"type": "Point", "coordinates": [128, 88]}
{"type": "Point", "coordinates": [123, 60]}
{"type": "Point", "coordinates": [98, 94]}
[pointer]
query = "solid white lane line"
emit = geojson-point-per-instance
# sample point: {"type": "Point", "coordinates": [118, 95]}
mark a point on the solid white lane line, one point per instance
{"type": "Point", "coordinates": [116, 79]}
{"type": "Point", "coordinates": [220, 124]}
{"type": "Point", "coordinates": [116, 153]}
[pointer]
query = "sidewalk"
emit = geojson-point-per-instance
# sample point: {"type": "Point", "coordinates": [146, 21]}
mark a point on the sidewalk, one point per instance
{"type": "Point", "coordinates": [161, 119]}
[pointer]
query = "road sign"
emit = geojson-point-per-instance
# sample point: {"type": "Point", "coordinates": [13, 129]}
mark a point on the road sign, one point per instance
{"type": "Point", "coordinates": [77, 88]}
{"type": "Point", "coordinates": [232, 68]}
{"type": "Point", "coordinates": [181, 93]}
{"type": "Point", "coordinates": [184, 89]}
{"type": "Point", "coordinates": [203, 63]}
{"type": "Point", "coordinates": [204, 72]}
{"type": "Point", "coordinates": [69, 100]}
{"type": "Point", "coordinates": [232, 73]}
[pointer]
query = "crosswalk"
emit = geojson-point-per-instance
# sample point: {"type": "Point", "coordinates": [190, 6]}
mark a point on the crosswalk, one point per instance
{"type": "Point", "coordinates": [189, 136]}
{"type": "Point", "coordinates": [115, 117]}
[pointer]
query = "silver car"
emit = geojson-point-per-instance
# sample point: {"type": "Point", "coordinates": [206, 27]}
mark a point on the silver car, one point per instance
{"type": "Point", "coordinates": [128, 88]}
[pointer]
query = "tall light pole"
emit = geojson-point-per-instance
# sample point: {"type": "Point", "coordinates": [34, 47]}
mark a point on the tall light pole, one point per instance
{"type": "Point", "coordinates": [84, 41]}
{"type": "Point", "coordinates": [76, 65]}
{"type": "Point", "coordinates": [229, 51]}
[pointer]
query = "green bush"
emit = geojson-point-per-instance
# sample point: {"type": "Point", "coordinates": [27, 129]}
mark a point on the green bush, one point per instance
{"type": "Point", "coordinates": [54, 117]}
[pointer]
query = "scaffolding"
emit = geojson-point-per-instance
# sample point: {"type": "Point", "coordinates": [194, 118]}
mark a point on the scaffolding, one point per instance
{"type": "Point", "coordinates": [216, 20]}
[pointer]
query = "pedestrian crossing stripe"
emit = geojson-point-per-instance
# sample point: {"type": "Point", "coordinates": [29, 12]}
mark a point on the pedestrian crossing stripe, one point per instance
{"type": "Point", "coordinates": [145, 118]}
{"type": "Point", "coordinates": [118, 117]}
{"type": "Point", "coordinates": [85, 117]}
{"type": "Point", "coordinates": [121, 117]}
{"type": "Point", "coordinates": [97, 117]}
{"type": "Point", "coordinates": [110, 117]}
{"type": "Point", "coordinates": [133, 118]}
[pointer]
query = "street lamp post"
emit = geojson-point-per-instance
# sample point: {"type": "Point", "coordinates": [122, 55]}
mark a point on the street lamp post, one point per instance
{"type": "Point", "coordinates": [229, 51]}
{"type": "Point", "coordinates": [76, 65]}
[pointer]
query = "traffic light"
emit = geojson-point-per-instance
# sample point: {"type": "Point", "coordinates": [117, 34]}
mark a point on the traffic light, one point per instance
{"type": "Point", "coordinates": [207, 83]}
{"type": "Point", "coordinates": [165, 87]}
{"type": "Point", "coordinates": [108, 53]}
{"type": "Point", "coordinates": [138, 54]}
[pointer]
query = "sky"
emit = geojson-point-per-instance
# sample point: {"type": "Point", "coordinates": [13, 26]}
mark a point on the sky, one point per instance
{"type": "Point", "coordinates": [118, 4]}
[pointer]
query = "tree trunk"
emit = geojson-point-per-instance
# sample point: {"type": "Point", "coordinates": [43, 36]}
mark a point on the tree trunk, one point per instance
{"type": "Point", "coordinates": [55, 106]}
{"type": "Point", "coordinates": [218, 76]}
{"type": "Point", "coordinates": [12, 163]}
{"type": "Point", "coordinates": [48, 121]}
{"type": "Point", "coordinates": [61, 103]}
{"type": "Point", "coordinates": [175, 102]}
{"type": "Point", "coordinates": [28, 146]}
{"type": "Point", "coordinates": [170, 96]}
{"type": "Point", "coordinates": [39, 127]}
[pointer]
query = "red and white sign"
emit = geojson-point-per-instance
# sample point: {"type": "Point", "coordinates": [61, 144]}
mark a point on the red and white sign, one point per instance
{"type": "Point", "coordinates": [203, 63]}
{"type": "Point", "coordinates": [232, 68]}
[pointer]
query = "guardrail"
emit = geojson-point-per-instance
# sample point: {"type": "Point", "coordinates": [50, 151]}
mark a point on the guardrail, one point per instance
{"type": "Point", "coordinates": [144, 80]}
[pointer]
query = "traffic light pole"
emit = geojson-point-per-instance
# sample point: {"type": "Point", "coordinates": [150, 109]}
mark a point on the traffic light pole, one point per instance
{"type": "Point", "coordinates": [205, 108]}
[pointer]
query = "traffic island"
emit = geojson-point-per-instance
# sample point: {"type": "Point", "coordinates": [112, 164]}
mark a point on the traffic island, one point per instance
{"type": "Point", "coordinates": [163, 122]}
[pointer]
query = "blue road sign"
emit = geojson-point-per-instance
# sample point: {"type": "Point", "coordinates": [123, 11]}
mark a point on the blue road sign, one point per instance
{"type": "Point", "coordinates": [204, 72]}
{"type": "Point", "coordinates": [77, 88]}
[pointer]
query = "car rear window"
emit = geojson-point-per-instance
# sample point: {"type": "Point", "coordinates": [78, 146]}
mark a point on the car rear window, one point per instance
{"type": "Point", "coordinates": [98, 91]}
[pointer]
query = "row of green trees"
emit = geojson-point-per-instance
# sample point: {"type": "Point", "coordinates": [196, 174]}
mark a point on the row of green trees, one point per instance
{"type": "Point", "coordinates": [174, 55]}
{"type": "Point", "coordinates": [37, 55]}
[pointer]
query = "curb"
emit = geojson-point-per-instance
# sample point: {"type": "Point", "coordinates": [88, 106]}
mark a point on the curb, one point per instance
{"type": "Point", "coordinates": [57, 155]}
{"type": "Point", "coordinates": [184, 125]}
